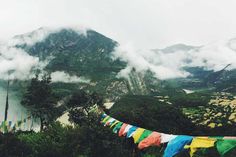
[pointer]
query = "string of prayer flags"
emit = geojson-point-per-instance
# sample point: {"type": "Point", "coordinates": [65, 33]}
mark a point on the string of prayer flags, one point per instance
{"type": "Point", "coordinates": [9, 126]}
{"type": "Point", "coordinates": [175, 143]}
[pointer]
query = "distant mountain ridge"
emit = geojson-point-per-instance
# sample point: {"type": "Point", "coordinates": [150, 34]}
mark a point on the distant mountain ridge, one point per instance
{"type": "Point", "coordinates": [177, 47]}
{"type": "Point", "coordinates": [89, 54]}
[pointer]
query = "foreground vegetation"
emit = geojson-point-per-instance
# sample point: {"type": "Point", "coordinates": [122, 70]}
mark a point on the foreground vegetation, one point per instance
{"type": "Point", "coordinates": [88, 138]}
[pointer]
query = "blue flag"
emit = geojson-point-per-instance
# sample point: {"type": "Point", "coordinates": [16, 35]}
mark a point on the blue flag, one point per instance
{"type": "Point", "coordinates": [176, 145]}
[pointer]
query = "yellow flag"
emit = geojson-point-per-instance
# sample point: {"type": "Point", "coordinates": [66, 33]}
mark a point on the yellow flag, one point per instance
{"type": "Point", "coordinates": [138, 134]}
{"type": "Point", "coordinates": [200, 142]}
{"type": "Point", "coordinates": [105, 119]}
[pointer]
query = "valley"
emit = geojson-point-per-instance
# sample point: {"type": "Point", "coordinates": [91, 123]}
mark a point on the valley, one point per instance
{"type": "Point", "coordinates": [69, 77]}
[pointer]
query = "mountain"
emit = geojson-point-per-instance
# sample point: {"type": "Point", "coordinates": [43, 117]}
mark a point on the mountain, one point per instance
{"type": "Point", "coordinates": [74, 52]}
{"type": "Point", "coordinates": [223, 80]}
{"type": "Point", "coordinates": [177, 47]}
{"type": "Point", "coordinates": [84, 59]}
{"type": "Point", "coordinates": [85, 54]}
{"type": "Point", "coordinates": [89, 55]}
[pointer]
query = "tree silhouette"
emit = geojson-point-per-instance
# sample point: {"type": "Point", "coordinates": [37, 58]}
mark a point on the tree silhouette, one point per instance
{"type": "Point", "coordinates": [39, 99]}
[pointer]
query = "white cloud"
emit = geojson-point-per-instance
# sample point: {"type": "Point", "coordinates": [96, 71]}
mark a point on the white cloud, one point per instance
{"type": "Point", "coordinates": [214, 56]}
{"type": "Point", "coordinates": [15, 63]}
{"type": "Point", "coordinates": [159, 63]}
{"type": "Point", "coordinates": [61, 76]}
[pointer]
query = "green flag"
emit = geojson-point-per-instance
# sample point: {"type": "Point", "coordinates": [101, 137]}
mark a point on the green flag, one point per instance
{"type": "Point", "coordinates": [224, 146]}
{"type": "Point", "coordinates": [117, 127]}
{"type": "Point", "coordinates": [144, 135]}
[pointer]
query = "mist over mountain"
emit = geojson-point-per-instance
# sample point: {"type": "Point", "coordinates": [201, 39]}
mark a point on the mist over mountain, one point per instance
{"type": "Point", "coordinates": [171, 61]}
{"type": "Point", "coordinates": [95, 62]}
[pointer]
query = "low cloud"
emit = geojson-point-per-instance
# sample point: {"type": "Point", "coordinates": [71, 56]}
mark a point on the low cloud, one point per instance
{"type": "Point", "coordinates": [215, 56]}
{"type": "Point", "coordinates": [148, 60]}
{"type": "Point", "coordinates": [61, 76]}
{"type": "Point", "coordinates": [16, 63]}
{"type": "Point", "coordinates": [170, 62]}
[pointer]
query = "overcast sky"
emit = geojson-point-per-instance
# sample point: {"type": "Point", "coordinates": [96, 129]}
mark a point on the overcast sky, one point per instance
{"type": "Point", "coordinates": [143, 23]}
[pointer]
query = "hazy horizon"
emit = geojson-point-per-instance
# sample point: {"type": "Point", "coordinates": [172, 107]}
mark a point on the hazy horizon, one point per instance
{"type": "Point", "coordinates": [152, 24]}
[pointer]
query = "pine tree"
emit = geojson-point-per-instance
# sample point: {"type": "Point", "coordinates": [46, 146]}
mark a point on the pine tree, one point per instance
{"type": "Point", "coordinates": [39, 99]}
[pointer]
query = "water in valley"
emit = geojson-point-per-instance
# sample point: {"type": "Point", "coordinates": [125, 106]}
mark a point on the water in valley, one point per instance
{"type": "Point", "coordinates": [16, 111]}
